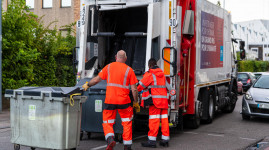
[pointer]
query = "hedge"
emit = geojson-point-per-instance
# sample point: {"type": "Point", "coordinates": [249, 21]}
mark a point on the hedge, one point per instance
{"type": "Point", "coordinates": [253, 66]}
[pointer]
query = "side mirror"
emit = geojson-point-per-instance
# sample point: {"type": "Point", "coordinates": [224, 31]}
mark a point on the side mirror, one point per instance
{"type": "Point", "coordinates": [169, 55]}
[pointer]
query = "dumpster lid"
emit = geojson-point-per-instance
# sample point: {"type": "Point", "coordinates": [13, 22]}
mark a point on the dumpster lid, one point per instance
{"type": "Point", "coordinates": [55, 91]}
{"type": "Point", "coordinates": [100, 86]}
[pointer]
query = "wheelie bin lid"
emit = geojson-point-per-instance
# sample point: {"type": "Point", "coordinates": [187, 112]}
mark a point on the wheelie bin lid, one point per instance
{"type": "Point", "coordinates": [37, 91]}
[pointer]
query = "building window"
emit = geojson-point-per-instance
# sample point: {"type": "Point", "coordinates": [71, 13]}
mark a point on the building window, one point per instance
{"type": "Point", "coordinates": [265, 46]}
{"type": "Point", "coordinates": [30, 3]}
{"type": "Point", "coordinates": [65, 3]}
{"type": "Point", "coordinates": [47, 3]}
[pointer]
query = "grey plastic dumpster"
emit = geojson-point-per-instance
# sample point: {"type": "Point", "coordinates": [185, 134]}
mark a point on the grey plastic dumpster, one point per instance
{"type": "Point", "coordinates": [42, 117]}
{"type": "Point", "coordinates": [92, 116]}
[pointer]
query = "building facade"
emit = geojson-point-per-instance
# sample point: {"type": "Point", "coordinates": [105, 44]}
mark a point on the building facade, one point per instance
{"type": "Point", "coordinates": [255, 33]}
{"type": "Point", "coordinates": [60, 12]}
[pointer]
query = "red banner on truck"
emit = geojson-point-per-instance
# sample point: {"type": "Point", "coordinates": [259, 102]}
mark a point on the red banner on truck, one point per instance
{"type": "Point", "coordinates": [211, 41]}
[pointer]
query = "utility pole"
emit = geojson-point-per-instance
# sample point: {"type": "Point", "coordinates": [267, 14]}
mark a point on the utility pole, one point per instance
{"type": "Point", "coordinates": [0, 56]}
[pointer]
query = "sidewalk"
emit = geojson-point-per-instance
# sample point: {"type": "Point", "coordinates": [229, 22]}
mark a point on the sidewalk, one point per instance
{"type": "Point", "coordinates": [5, 119]}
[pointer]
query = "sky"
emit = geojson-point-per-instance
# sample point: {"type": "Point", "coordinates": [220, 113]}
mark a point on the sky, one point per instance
{"type": "Point", "coordinates": [245, 10]}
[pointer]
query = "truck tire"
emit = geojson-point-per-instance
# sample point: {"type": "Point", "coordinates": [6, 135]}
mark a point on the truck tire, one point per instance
{"type": "Point", "coordinates": [208, 100]}
{"type": "Point", "coordinates": [179, 126]}
{"type": "Point", "coordinates": [17, 147]}
{"type": "Point", "coordinates": [233, 99]}
{"type": "Point", "coordinates": [193, 121]}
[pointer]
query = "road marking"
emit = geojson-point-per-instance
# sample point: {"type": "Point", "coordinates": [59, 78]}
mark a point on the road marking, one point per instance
{"type": "Point", "coordinates": [101, 147]}
{"type": "Point", "coordinates": [191, 132]}
{"type": "Point", "coordinates": [247, 139]}
{"type": "Point", "coordinates": [140, 137]}
{"type": "Point", "coordinates": [216, 135]}
{"type": "Point", "coordinates": [104, 146]}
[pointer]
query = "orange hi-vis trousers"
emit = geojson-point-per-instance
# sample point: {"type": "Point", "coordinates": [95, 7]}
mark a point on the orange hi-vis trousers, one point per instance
{"type": "Point", "coordinates": [155, 114]}
{"type": "Point", "coordinates": [109, 117]}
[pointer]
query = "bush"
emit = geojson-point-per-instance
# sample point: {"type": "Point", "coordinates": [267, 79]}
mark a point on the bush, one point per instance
{"type": "Point", "coordinates": [253, 66]}
{"type": "Point", "coordinates": [34, 55]}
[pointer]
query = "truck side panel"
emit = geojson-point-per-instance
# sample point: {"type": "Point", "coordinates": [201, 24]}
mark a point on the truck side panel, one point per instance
{"type": "Point", "coordinates": [213, 44]}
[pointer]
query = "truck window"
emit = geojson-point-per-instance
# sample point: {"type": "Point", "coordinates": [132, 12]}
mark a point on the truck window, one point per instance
{"type": "Point", "coordinates": [155, 49]}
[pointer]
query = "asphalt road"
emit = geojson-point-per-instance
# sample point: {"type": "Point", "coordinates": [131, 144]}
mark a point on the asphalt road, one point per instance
{"type": "Point", "coordinates": [227, 132]}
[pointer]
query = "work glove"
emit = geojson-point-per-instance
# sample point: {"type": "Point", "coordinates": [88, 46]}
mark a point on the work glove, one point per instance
{"type": "Point", "coordinates": [136, 106]}
{"type": "Point", "coordinates": [85, 86]}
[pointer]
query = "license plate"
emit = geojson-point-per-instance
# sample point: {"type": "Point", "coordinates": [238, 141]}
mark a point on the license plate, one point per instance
{"type": "Point", "coordinates": [263, 106]}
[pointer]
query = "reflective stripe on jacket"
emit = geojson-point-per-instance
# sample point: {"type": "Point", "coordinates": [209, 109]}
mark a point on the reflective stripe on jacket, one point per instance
{"type": "Point", "coordinates": [119, 77]}
{"type": "Point", "coordinates": [155, 84]}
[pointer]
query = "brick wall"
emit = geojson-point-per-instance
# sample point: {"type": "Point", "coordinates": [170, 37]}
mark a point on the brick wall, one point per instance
{"type": "Point", "coordinates": [76, 10]}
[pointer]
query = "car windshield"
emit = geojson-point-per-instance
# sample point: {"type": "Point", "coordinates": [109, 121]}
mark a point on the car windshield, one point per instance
{"type": "Point", "coordinates": [242, 76]}
{"type": "Point", "coordinates": [262, 82]}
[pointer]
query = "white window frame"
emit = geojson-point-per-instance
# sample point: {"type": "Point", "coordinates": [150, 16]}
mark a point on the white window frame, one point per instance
{"type": "Point", "coordinates": [30, 7]}
{"type": "Point", "coordinates": [66, 5]}
{"type": "Point", "coordinates": [43, 2]}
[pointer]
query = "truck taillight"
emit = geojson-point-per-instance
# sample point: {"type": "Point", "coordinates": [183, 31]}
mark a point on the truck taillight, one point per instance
{"type": "Point", "coordinates": [248, 81]}
{"type": "Point", "coordinates": [173, 92]}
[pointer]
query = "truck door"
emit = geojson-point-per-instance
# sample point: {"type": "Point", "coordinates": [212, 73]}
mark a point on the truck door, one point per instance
{"type": "Point", "coordinates": [153, 32]}
{"type": "Point", "coordinates": [88, 47]}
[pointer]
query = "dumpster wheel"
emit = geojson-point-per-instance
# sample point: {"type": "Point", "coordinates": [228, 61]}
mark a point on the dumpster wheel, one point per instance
{"type": "Point", "coordinates": [17, 147]}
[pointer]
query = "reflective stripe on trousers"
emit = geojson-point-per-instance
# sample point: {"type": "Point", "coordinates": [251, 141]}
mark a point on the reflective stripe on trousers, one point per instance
{"type": "Point", "coordinates": [130, 142]}
{"type": "Point", "coordinates": [158, 116]}
{"type": "Point", "coordinates": [152, 138]}
{"type": "Point", "coordinates": [109, 117]}
{"type": "Point", "coordinates": [126, 119]}
{"type": "Point", "coordinates": [109, 134]}
{"type": "Point", "coordinates": [109, 121]}
{"type": "Point", "coordinates": [165, 137]}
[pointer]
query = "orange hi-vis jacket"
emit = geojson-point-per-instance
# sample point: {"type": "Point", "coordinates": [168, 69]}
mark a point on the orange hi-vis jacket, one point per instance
{"type": "Point", "coordinates": [119, 77]}
{"type": "Point", "coordinates": [154, 85]}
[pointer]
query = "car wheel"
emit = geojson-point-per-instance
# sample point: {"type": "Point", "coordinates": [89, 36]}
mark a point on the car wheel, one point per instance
{"type": "Point", "coordinates": [245, 117]}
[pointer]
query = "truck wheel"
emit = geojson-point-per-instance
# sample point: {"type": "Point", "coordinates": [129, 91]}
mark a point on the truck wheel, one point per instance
{"type": "Point", "coordinates": [208, 105]}
{"type": "Point", "coordinates": [179, 126]}
{"type": "Point", "coordinates": [17, 147]}
{"type": "Point", "coordinates": [230, 107]}
{"type": "Point", "coordinates": [194, 120]}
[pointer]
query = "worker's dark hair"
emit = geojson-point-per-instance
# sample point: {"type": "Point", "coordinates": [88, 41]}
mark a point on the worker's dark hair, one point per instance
{"type": "Point", "coordinates": [152, 62]}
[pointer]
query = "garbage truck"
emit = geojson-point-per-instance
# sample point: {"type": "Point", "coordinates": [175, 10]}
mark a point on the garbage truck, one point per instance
{"type": "Point", "coordinates": [190, 39]}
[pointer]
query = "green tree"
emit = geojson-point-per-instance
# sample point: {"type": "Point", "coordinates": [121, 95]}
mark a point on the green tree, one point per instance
{"type": "Point", "coordinates": [19, 52]}
{"type": "Point", "coordinates": [34, 55]}
{"type": "Point", "coordinates": [218, 3]}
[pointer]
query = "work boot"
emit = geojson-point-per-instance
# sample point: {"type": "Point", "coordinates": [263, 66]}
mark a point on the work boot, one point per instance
{"type": "Point", "coordinates": [164, 143]}
{"type": "Point", "coordinates": [149, 143]}
{"type": "Point", "coordinates": [127, 147]}
{"type": "Point", "coordinates": [110, 143]}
